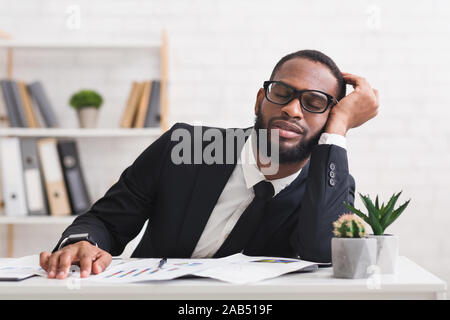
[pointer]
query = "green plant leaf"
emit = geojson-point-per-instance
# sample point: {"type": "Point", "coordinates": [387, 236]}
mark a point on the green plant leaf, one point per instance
{"type": "Point", "coordinates": [356, 211]}
{"type": "Point", "coordinates": [373, 215]}
{"type": "Point", "coordinates": [397, 213]}
{"type": "Point", "coordinates": [382, 209]}
{"type": "Point", "coordinates": [389, 209]}
{"type": "Point", "coordinates": [86, 98]}
{"type": "Point", "coordinates": [376, 203]}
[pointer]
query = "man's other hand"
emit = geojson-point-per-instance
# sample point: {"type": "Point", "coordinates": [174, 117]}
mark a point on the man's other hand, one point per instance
{"type": "Point", "coordinates": [89, 257]}
{"type": "Point", "coordinates": [354, 109]}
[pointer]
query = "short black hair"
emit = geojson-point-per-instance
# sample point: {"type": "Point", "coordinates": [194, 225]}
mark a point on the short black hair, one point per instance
{"type": "Point", "coordinates": [315, 56]}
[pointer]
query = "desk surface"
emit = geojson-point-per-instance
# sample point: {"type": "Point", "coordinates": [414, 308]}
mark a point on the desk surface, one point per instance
{"type": "Point", "coordinates": [410, 282]}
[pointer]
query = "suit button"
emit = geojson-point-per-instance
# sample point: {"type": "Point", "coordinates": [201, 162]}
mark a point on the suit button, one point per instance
{"type": "Point", "coordinates": [332, 166]}
{"type": "Point", "coordinates": [332, 182]}
{"type": "Point", "coordinates": [332, 174]}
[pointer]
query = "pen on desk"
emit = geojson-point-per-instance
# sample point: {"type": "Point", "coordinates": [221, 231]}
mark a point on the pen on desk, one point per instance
{"type": "Point", "coordinates": [161, 263]}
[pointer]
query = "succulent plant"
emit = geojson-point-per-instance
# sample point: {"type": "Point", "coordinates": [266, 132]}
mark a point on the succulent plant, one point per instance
{"type": "Point", "coordinates": [349, 226]}
{"type": "Point", "coordinates": [379, 218]}
{"type": "Point", "coordinates": [86, 98]}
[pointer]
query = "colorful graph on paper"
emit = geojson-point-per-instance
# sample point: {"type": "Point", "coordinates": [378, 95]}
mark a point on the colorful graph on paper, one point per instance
{"type": "Point", "coordinates": [148, 269]}
{"type": "Point", "coordinates": [274, 261]}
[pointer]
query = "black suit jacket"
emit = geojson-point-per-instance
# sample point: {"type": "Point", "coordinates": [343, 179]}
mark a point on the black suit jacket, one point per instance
{"type": "Point", "coordinates": [178, 200]}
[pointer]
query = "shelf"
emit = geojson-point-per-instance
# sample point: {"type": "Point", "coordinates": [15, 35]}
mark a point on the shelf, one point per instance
{"type": "Point", "coordinates": [80, 133]}
{"type": "Point", "coordinates": [36, 220]}
{"type": "Point", "coordinates": [79, 44]}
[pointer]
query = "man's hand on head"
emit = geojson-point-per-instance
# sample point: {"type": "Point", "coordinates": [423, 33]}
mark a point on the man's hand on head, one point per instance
{"type": "Point", "coordinates": [354, 109]}
{"type": "Point", "coordinates": [89, 257]}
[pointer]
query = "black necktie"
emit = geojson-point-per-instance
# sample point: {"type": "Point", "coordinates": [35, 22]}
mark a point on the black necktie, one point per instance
{"type": "Point", "coordinates": [248, 222]}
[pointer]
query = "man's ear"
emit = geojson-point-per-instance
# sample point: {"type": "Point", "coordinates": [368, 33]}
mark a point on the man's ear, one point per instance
{"type": "Point", "coordinates": [259, 99]}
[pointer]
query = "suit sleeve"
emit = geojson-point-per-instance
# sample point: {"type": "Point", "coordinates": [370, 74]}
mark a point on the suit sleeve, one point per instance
{"type": "Point", "coordinates": [117, 217]}
{"type": "Point", "coordinates": [329, 183]}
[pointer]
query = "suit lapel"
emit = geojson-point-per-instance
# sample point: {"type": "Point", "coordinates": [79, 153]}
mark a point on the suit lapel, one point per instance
{"type": "Point", "coordinates": [210, 182]}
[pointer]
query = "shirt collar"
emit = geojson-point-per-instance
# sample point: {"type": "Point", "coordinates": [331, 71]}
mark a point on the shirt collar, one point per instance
{"type": "Point", "coordinates": [252, 174]}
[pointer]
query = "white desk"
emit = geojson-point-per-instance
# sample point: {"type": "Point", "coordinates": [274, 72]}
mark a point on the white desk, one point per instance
{"type": "Point", "coordinates": [411, 282]}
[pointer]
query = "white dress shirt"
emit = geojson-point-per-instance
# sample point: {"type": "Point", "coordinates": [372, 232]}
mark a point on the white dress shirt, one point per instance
{"type": "Point", "coordinates": [238, 194]}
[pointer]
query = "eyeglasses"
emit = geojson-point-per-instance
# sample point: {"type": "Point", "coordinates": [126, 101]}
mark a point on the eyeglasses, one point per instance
{"type": "Point", "coordinates": [313, 101]}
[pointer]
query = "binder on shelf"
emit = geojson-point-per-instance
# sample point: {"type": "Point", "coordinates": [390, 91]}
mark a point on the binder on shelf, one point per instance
{"type": "Point", "coordinates": [129, 114]}
{"type": "Point", "coordinates": [18, 104]}
{"type": "Point", "coordinates": [153, 116]}
{"type": "Point", "coordinates": [14, 119]}
{"type": "Point", "coordinates": [12, 177]}
{"type": "Point", "coordinates": [73, 176]}
{"type": "Point", "coordinates": [27, 106]}
{"type": "Point", "coordinates": [33, 180]}
{"type": "Point", "coordinates": [58, 200]}
{"type": "Point", "coordinates": [40, 98]}
{"type": "Point", "coordinates": [4, 119]}
{"type": "Point", "coordinates": [143, 105]}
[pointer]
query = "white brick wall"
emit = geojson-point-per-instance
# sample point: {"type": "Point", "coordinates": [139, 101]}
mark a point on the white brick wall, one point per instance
{"type": "Point", "coordinates": [220, 53]}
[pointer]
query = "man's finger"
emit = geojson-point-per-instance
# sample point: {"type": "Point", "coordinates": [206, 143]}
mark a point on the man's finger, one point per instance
{"type": "Point", "coordinates": [376, 93]}
{"type": "Point", "coordinates": [65, 261]}
{"type": "Point", "coordinates": [102, 262]}
{"type": "Point", "coordinates": [85, 263]}
{"type": "Point", "coordinates": [53, 264]}
{"type": "Point", "coordinates": [355, 80]}
{"type": "Point", "coordinates": [43, 260]}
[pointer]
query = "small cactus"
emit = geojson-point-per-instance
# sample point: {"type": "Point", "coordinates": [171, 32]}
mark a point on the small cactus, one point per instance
{"type": "Point", "coordinates": [349, 226]}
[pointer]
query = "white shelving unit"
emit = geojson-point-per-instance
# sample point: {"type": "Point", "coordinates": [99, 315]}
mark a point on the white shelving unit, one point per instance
{"type": "Point", "coordinates": [79, 133]}
{"type": "Point", "coordinates": [9, 45]}
{"type": "Point", "coordinates": [36, 220]}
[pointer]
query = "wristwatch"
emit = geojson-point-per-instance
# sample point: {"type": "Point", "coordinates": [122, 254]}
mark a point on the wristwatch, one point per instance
{"type": "Point", "coordinates": [73, 238]}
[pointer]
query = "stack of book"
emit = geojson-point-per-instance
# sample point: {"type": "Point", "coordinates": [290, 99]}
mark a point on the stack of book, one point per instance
{"type": "Point", "coordinates": [42, 177]}
{"type": "Point", "coordinates": [25, 105]}
{"type": "Point", "coordinates": [143, 106]}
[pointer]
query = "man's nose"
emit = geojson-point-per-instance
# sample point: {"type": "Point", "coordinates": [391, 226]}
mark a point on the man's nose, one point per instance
{"type": "Point", "coordinates": [293, 109]}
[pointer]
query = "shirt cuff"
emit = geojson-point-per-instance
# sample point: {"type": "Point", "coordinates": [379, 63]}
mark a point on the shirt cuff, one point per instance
{"type": "Point", "coordinates": [332, 138]}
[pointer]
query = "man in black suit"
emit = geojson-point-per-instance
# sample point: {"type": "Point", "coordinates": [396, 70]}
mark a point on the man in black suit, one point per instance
{"type": "Point", "coordinates": [196, 207]}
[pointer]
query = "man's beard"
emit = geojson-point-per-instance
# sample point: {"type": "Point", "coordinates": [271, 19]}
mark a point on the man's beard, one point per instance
{"type": "Point", "coordinates": [295, 154]}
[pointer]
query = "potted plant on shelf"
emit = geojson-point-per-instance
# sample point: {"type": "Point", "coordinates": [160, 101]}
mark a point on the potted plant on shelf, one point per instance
{"type": "Point", "coordinates": [86, 103]}
{"type": "Point", "coordinates": [352, 253]}
{"type": "Point", "coordinates": [379, 218]}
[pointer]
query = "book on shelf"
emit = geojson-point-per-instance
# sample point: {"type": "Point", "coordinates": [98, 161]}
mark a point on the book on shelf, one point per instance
{"type": "Point", "coordinates": [9, 96]}
{"type": "Point", "coordinates": [39, 96]}
{"type": "Point", "coordinates": [153, 117]}
{"type": "Point", "coordinates": [134, 97]}
{"type": "Point", "coordinates": [143, 105]}
{"type": "Point", "coordinates": [4, 119]}
{"type": "Point", "coordinates": [30, 115]}
{"type": "Point", "coordinates": [27, 106]}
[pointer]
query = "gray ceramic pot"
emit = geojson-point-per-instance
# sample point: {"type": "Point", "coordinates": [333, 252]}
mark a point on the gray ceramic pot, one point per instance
{"type": "Point", "coordinates": [387, 252]}
{"type": "Point", "coordinates": [87, 117]}
{"type": "Point", "coordinates": [352, 257]}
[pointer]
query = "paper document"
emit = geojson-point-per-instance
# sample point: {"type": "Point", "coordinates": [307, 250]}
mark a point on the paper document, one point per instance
{"type": "Point", "coordinates": [245, 269]}
{"type": "Point", "coordinates": [20, 268]}
{"type": "Point", "coordinates": [148, 269]}
{"type": "Point", "coordinates": [237, 268]}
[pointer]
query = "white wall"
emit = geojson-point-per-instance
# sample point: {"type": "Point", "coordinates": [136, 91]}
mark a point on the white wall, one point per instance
{"type": "Point", "coordinates": [222, 51]}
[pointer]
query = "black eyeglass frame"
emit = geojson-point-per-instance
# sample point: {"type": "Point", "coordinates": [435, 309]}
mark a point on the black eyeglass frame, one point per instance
{"type": "Point", "coordinates": [298, 94]}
